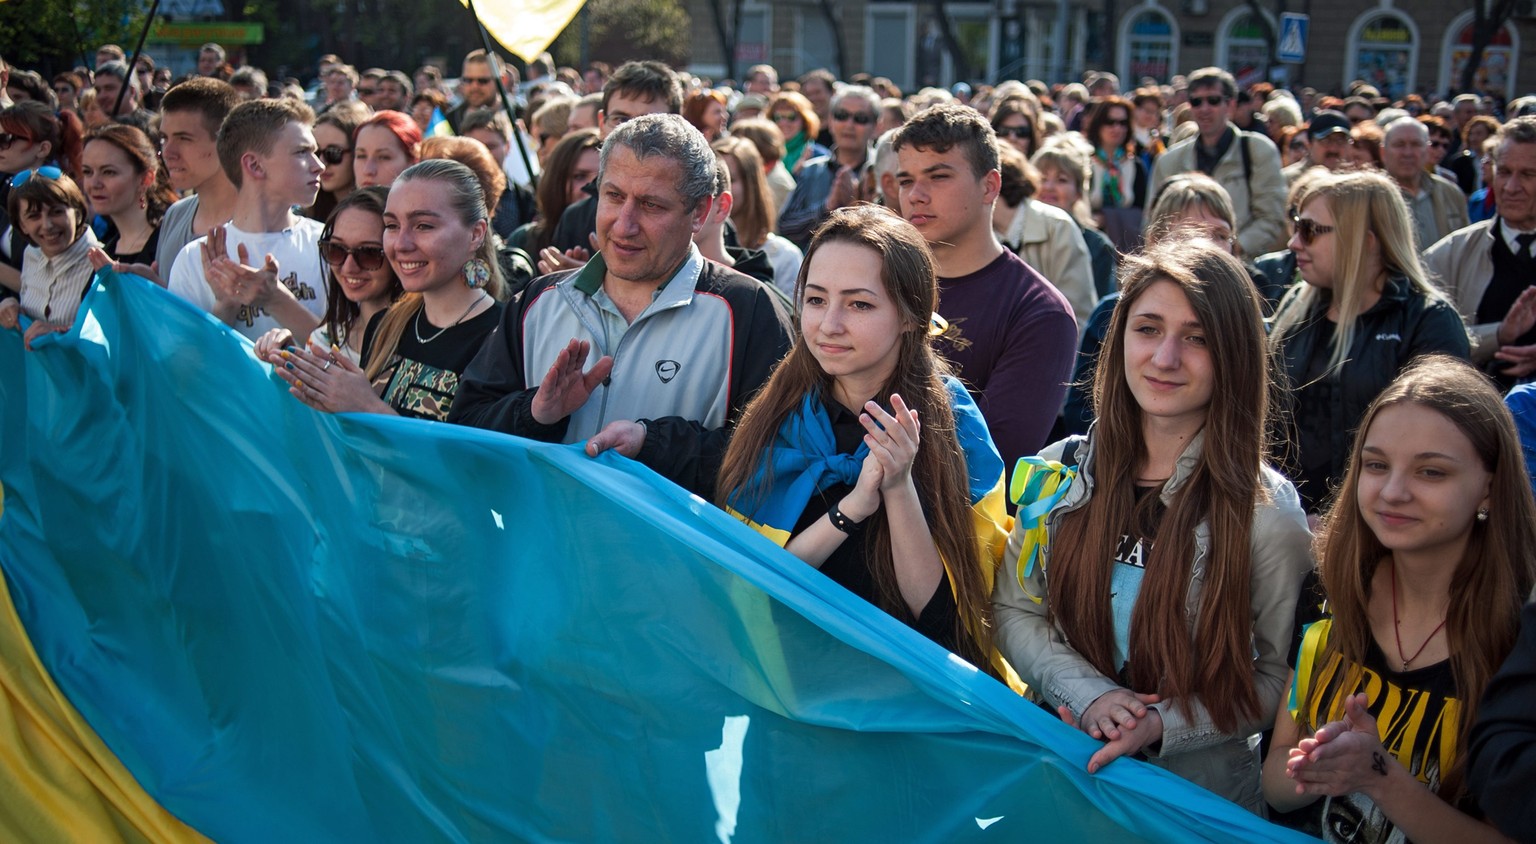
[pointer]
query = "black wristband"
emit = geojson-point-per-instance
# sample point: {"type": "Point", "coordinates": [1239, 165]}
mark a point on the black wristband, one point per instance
{"type": "Point", "coordinates": [842, 522]}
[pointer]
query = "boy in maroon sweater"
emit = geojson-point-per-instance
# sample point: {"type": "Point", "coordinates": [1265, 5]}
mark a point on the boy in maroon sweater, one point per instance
{"type": "Point", "coordinates": [1012, 336]}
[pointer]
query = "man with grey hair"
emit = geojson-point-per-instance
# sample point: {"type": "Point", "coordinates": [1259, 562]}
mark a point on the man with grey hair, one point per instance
{"type": "Point", "coordinates": [1488, 268]}
{"type": "Point", "coordinates": [1436, 204]}
{"type": "Point", "coordinates": [829, 182]}
{"type": "Point", "coordinates": [112, 78]}
{"type": "Point", "coordinates": [210, 58]}
{"type": "Point", "coordinates": [698, 339]}
{"type": "Point", "coordinates": [250, 82]}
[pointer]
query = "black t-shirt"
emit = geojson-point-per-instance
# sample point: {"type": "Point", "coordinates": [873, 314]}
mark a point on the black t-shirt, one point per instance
{"type": "Point", "coordinates": [422, 378]}
{"type": "Point", "coordinates": [1417, 712]}
{"type": "Point", "coordinates": [143, 256]}
{"type": "Point", "coordinates": [848, 565]}
{"type": "Point", "coordinates": [1316, 398]}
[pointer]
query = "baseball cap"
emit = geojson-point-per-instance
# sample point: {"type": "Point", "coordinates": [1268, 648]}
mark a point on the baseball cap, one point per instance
{"type": "Point", "coordinates": [1326, 122]}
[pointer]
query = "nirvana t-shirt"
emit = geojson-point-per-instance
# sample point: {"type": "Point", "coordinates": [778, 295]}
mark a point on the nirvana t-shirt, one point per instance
{"type": "Point", "coordinates": [1130, 565]}
{"type": "Point", "coordinates": [1416, 711]}
{"type": "Point", "coordinates": [422, 376]}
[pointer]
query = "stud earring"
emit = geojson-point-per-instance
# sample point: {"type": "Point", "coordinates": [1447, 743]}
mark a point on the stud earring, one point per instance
{"type": "Point", "coordinates": [1482, 514]}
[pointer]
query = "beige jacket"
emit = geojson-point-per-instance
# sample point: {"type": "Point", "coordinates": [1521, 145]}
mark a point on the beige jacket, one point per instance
{"type": "Point", "coordinates": [1462, 264]}
{"type": "Point", "coordinates": [1049, 240]}
{"type": "Point", "coordinates": [1259, 201]}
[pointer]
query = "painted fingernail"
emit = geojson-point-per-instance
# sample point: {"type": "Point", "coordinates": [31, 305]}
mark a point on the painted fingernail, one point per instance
{"type": "Point", "coordinates": [287, 354]}
{"type": "Point", "coordinates": [288, 365]}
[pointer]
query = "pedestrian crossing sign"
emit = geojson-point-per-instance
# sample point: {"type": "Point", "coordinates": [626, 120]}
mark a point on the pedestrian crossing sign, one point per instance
{"type": "Point", "coordinates": [1292, 48]}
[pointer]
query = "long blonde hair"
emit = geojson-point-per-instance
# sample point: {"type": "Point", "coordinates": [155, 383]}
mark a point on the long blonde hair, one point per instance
{"type": "Point", "coordinates": [1364, 204]}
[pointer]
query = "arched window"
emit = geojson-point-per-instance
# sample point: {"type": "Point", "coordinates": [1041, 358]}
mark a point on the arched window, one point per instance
{"type": "Point", "coordinates": [1151, 45]}
{"type": "Point", "coordinates": [1384, 51]}
{"type": "Point", "coordinates": [1496, 74]}
{"type": "Point", "coordinates": [1241, 47]}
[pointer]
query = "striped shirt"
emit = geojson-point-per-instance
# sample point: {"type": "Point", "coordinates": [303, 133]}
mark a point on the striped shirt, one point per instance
{"type": "Point", "coordinates": [52, 288]}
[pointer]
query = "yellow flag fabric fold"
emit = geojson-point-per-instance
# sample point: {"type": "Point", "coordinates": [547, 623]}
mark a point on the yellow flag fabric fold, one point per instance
{"type": "Point", "coordinates": [526, 27]}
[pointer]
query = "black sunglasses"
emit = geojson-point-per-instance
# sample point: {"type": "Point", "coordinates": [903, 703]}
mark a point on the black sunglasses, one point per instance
{"type": "Point", "coordinates": [863, 118]}
{"type": "Point", "coordinates": [1025, 131]}
{"type": "Point", "coordinates": [1308, 230]}
{"type": "Point", "coordinates": [1120, 122]}
{"type": "Point", "coordinates": [368, 258]}
{"type": "Point", "coordinates": [1214, 100]}
{"type": "Point", "coordinates": [367, 92]}
{"type": "Point", "coordinates": [476, 80]}
{"type": "Point", "coordinates": [333, 154]}
{"type": "Point", "coordinates": [6, 139]}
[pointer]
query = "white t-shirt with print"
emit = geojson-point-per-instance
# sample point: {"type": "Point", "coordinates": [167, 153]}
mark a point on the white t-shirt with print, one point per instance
{"type": "Point", "coordinates": [300, 269]}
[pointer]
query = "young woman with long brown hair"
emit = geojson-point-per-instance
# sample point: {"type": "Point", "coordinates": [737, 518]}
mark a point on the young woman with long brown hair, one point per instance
{"type": "Point", "coordinates": [1155, 562]}
{"type": "Point", "coordinates": [1426, 558]}
{"type": "Point", "coordinates": [122, 179]}
{"type": "Point", "coordinates": [861, 455]}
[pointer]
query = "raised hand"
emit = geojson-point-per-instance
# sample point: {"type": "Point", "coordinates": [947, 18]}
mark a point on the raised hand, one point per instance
{"type": "Point", "coordinates": [1342, 757]}
{"type": "Point", "coordinates": [566, 387]}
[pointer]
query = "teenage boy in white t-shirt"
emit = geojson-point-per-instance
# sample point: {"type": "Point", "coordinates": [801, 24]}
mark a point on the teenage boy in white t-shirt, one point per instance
{"type": "Point", "coordinates": [267, 150]}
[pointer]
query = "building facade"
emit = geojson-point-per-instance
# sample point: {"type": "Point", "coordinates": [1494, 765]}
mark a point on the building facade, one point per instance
{"type": "Point", "coordinates": [1400, 46]}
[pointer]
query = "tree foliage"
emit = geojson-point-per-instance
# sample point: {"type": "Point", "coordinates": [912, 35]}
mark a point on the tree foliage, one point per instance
{"type": "Point", "coordinates": [625, 30]}
{"type": "Point", "coordinates": [55, 35]}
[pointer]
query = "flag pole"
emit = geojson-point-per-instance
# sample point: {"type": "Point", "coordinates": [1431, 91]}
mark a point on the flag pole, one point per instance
{"type": "Point", "coordinates": [149, 22]}
{"type": "Point", "coordinates": [506, 101]}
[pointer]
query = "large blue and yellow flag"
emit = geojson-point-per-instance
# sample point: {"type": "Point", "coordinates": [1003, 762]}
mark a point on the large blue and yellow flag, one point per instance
{"type": "Point", "coordinates": [229, 616]}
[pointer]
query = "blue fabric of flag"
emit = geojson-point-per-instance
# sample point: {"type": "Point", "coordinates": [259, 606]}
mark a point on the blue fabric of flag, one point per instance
{"type": "Point", "coordinates": [291, 626]}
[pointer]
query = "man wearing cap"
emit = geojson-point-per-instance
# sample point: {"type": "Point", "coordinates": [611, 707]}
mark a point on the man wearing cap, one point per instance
{"type": "Point", "coordinates": [1329, 143]}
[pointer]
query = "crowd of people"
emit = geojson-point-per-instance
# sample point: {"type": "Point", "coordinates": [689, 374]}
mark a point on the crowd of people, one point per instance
{"type": "Point", "coordinates": [1183, 410]}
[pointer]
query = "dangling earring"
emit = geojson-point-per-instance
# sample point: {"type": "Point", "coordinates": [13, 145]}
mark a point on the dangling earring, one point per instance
{"type": "Point", "coordinates": [1482, 514]}
{"type": "Point", "coordinates": [143, 203]}
{"type": "Point", "coordinates": [477, 273]}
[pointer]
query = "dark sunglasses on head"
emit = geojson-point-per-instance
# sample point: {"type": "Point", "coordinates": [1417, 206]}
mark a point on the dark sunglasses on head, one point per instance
{"type": "Point", "coordinates": [368, 258]}
{"type": "Point", "coordinates": [1308, 230]}
{"type": "Point", "coordinates": [1214, 100]}
{"type": "Point", "coordinates": [6, 139]}
{"type": "Point", "coordinates": [1025, 131]}
{"type": "Point", "coordinates": [476, 80]}
{"type": "Point", "coordinates": [50, 172]}
{"type": "Point", "coordinates": [863, 118]}
{"type": "Point", "coordinates": [333, 154]}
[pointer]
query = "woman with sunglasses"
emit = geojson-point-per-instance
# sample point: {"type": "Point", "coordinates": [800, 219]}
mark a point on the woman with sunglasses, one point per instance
{"type": "Point", "coordinates": [1120, 170]}
{"type": "Point", "coordinates": [1425, 560]}
{"type": "Point", "coordinates": [1366, 309]}
{"type": "Point", "coordinates": [122, 179]}
{"type": "Point", "coordinates": [794, 115]}
{"type": "Point", "coordinates": [1016, 122]}
{"type": "Point", "coordinates": [333, 140]}
{"type": "Point", "coordinates": [437, 238]}
{"type": "Point", "coordinates": [382, 147]}
{"type": "Point", "coordinates": [361, 282]}
{"type": "Point", "coordinates": [31, 136]}
{"type": "Point", "coordinates": [56, 271]}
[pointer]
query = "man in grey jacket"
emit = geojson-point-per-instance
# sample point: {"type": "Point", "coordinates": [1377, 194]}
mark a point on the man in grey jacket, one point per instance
{"type": "Point", "coordinates": [1247, 164]}
{"type": "Point", "coordinates": [649, 349]}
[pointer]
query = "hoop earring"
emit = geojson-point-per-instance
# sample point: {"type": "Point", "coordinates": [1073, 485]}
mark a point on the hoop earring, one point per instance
{"type": "Point", "coordinates": [477, 273]}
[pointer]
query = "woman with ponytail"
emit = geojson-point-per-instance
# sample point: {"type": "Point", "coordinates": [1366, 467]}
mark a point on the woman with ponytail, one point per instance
{"type": "Point", "coordinates": [436, 239]}
{"type": "Point", "coordinates": [862, 455]}
{"type": "Point", "coordinates": [1152, 575]}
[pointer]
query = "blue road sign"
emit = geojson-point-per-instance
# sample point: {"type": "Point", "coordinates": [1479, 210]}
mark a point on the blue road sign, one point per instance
{"type": "Point", "coordinates": [1292, 48]}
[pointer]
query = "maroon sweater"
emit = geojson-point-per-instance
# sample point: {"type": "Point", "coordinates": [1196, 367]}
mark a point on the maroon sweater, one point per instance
{"type": "Point", "coordinates": [1012, 340]}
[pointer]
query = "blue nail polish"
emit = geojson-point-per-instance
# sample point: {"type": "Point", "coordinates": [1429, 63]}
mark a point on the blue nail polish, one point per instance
{"type": "Point", "coordinates": [288, 365]}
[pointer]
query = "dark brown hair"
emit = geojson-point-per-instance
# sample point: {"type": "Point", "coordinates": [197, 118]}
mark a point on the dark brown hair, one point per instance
{"type": "Point", "coordinates": [144, 159]}
{"type": "Point", "coordinates": [940, 128]}
{"type": "Point", "coordinates": [1209, 659]}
